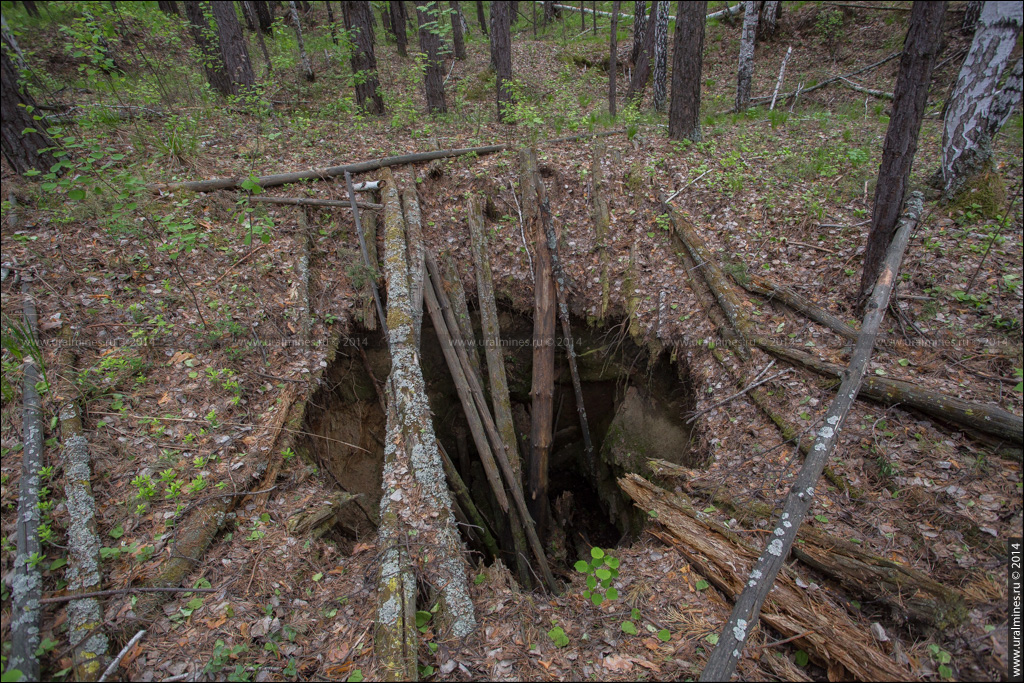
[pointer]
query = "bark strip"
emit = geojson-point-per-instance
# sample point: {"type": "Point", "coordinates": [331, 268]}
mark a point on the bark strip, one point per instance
{"type": "Point", "coordinates": [726, 654]}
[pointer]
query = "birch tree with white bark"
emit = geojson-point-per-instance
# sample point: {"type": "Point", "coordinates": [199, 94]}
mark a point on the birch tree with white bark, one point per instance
{"type": "Point", "coordinates": [986, 93]}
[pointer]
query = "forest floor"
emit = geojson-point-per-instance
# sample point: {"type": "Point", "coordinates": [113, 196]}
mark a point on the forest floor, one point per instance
{"type": "Point", "coordinates": [161, 289]}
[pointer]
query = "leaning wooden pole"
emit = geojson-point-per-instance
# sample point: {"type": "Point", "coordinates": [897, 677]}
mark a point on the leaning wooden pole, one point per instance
{"type": "Point", "coordinates": [561, 294]}
{"type": "Point", "coordinates": [726, 655]}
{"type": "Point", "coordinates": [491, 331]}
{"type": "Point", "coordinates": [543, 381]}
{"type": "Point", "coordinates": [85, 615]}
{"type": "Point", "coordinates": [416, 502]}
{"type": "Point", "coordinates": [28, 581]}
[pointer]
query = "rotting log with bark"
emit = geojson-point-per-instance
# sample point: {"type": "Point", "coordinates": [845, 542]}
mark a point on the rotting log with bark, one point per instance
{"type": "Point", "coordinates": [724, 658]}
{"type": "Point", "coordinates": [499, 448]}
{"type": "Point", "coordinates": [543, 378]}
{"type": "Point", "coordinates": [821, 628]}
{"type": "Point", "coordinates": [415, 493]}
{"type": "Point", "coordinates": [911, 594]}
{"type": "Point", "coordinates": [989, 419]}
{"type": "Point", "coordinates": [26, 589]}
{"type": "Point", "coordinates": [85, 616]}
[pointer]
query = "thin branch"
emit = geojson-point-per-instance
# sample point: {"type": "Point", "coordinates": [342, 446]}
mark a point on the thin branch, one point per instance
{"type": "Point", "coordinates": [120, 655]}
{"type": "Point", "coordinates": [121, 591]}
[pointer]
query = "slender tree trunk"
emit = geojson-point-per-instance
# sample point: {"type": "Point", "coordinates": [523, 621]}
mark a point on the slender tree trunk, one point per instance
{"type": "Point", "coordinates": [687, 63]}
{"type": "Point", "coordinates": [480, 17]}
{"type": "Point", "coordinates": [458, 41]}
{"type": "Point", "coordinates": [264, 16]}
{"type": "Point", "coordinates": [430, 45]}
{"type": "Point", "coordinates": [745, 72]}
{"type": "Point", "coordinates": [660, 56]}
{"type": "Point", "coordinates": [593, 14]}
{"type": "Point", "coordinates": [769, 22]}
{"type": "Point", "coordinates": [583, 15]}
{"type": "Point", "coordinates": [206, 40]}
{"type": "Point", "coordinates": [233, 49]}
{"type": "Point", "coordinates": [307, 67]}
{"type": "Point", "coordinates": [169, 7]}
{"type": "Point", "coordinates": [23, 151]}
{"type": "Point", "coordinates": [250, 24]}
{"type": "Point", "coordinates": [398, 19]}
{"type": "Point", "coordinates": [330, 22]}
{"type": "Point", "coordinates": [11, 43]}
{"type": "Point", "coordinates": [613, 59]}
{"type": "Point", "coordinates": [251, 7]}
{"type": "Point", "coordinates": [356, 15]}
{"type": "Point", "coordinates": [549, 11]}
{"type": "Point", "coordinates": [501, 53]}
{"type": "Point", "coordinates": [910, 96]}
{"type": "Point", "coordinates": [385, 19]}
{"type": "Point", "coordinates": [642, 64]}
{"type": "Point", "coordinates": [31, 8]}
{"type": "Point", "coordinates": [978, 106]}
{"type": "Point", "coordinates": [639, 26]}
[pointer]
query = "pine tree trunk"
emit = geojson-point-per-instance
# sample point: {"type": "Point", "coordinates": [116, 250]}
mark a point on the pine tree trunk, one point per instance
{"type": "Point", "coordinates": [252, 8]}
{"type": "Point", "coordinates": [385, 19]}
{"type": "Point", "coordinates": [972, 12]}
{"type": "Point", "coordinates": [480, 17]}
{"type": "Point", "coordinates": [356, 15]}
{"type": "Point", "coordinates": [639, 30]}
{"type": "Point", "coordinates": [398, 20]}
{"type": "Point", "coordinates": [31, 8]}
{"type": "Point", "coordinates": [745, 72]}
{"type": "Point", "coordinates": [433, 73]}
{"type": "Point", "coordinates": [307, 67]}
{"type": "Point", "coordinates": [501, 54]}
{"type": "Point", "coordinates": [687, 63]}
{"type": "Point", "coordinates": [910, 96]}
{"type": "Point", "coordinates": [613, 59]}
{"type": "Point", "coordinates": [642, 63]}
{"type": "Point", "coordinates": [330, 22]}
{"type": "Point", "coordinates": [250, 22]}
{"type": "Point", "coordinates": [660, 55]}
{"type": "Point", "coordinates": [206, 40]}
{"type": "Point", "coordinates": [978, 107]}
{"type": "Point", "coordinates": [264, 16]}
{"type": "Point", "coordinates": [23, 151]}
{"type": "Point", "coordinates": [458, 42]}
{"type": "Point", "coordinates": [769, 22]}
{"type": "Point", "coordinates": [549, 11]}
{"type": "Point", "coordinates": [169, 7]}
{"type": "Point", "coordinates": [233, 49]}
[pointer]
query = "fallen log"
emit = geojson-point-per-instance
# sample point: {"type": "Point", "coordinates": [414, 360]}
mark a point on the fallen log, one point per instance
{"type": "Point", "coordinates": [309, 201]}
{"type": "Point", "coordinates": [716, 280]}
{"type": "Point", "coordinates": [821, 628]}
{"type": "Point", "coordinates": [881, 94]}
{"type": "Point", "coordinates": [414, 241]}
{"type": "Point", "coordinates": [543, 379]}
{"type": "Point", "coordinates": [360, 167]}
{"type": "Point", "coordinates": [416, 502]}
{"type": "Point", "coordinates": [85, 615]}
{"type": "Point", "coordinates": [988, 419]}
{"type": "Point", "coordinates": [798, 303]}
{"type": "Point", "coordinates": [728, 11]}
{"type": "Point", "coordinates": [601, 216]}
{"type": "Point", "coordinates": [452, 283]}
{"type": "Point", "coordinates": [827, 81]}
{"type": "Point", "coordinates": [465, 499]}
{"type": "Point", "coordinates": [369, 251]}
{"type": "Point", "coordinates": [27, 586]}
{"type": "Point", "coordinates": [911, 594]}
{"type": "Point", "coordinates": [727, 652]}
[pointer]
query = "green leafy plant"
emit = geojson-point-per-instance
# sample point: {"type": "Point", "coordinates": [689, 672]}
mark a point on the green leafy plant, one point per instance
{"type": "Point", "coordinates": [600, 572]}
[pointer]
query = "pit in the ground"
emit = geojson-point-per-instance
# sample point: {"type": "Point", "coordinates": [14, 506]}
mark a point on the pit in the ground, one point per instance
{"type": "Point", "coordinates": [635, 400]}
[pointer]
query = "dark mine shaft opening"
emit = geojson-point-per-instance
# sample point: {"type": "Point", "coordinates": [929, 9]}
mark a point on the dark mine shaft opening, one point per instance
{"type": "Point", "coordinates": [634, 400]}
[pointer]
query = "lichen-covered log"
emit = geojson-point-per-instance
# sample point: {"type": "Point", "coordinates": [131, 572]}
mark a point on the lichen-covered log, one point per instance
{"type": "Point", "coordinates": [302, 276]}
{"type": "Point", "coordinates": [416, 505]}
{"type": "Point", "coordinates": [825, 631]}
{"type": "Point", "coordinates": [85, 616]}
{"type": "Point", "coordinates": [601, 217]}
{"type": "Point", "coordinates": [28, 583]}
{"type": "Point", "coordinates": [414, 239]}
